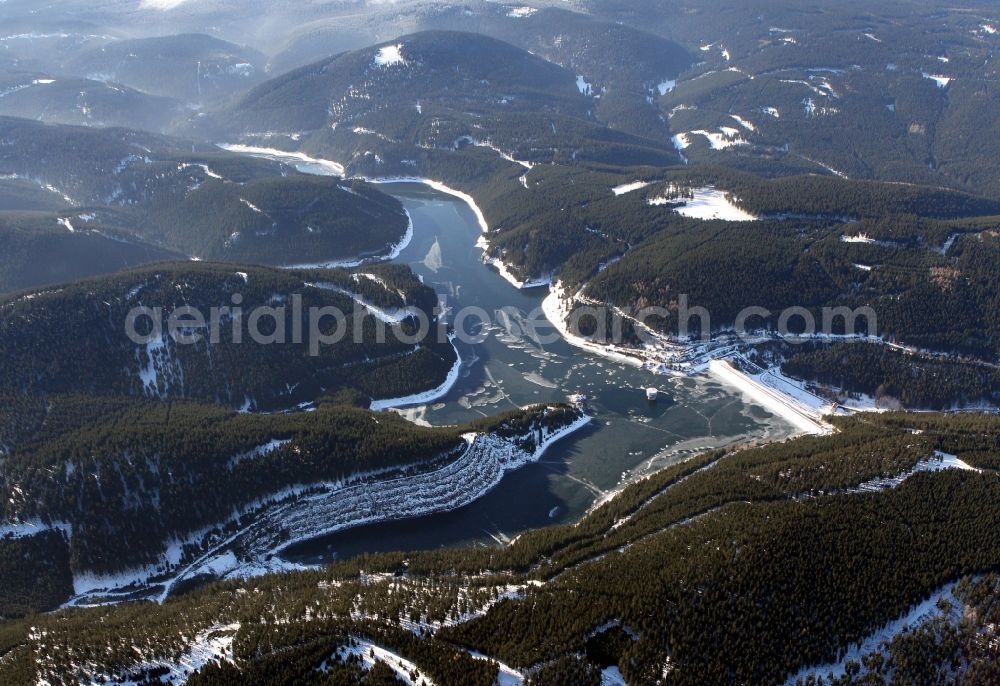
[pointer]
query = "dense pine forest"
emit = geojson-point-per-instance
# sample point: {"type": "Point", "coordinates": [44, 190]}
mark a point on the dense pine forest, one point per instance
{"type": "Point", "coordinates": [738, 566]}
{"type": "Point", "coordinates": [889, 376]}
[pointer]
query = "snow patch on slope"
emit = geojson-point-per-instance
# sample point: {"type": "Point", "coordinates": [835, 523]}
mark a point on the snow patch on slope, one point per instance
{"type": "Point", "coordinates": [725, 137]}
{"type": "Point", "coordinates": [332, 168]}
{"type": "Point", "coordinates": [369, 653]}
{"type": "Point", "coordinates": [629, 187]}
{"type": "Point", "coordinates": [521, 12]}
{"type": "Point", "coordinates": [161, 5]}
{"type": "Point", "coordinates": [918, 614]}
{"type": "Point", "coordinates": [666, 86]}
{"type": "Point", "coordinates": [211, 645]}
{"type": "Point", "coordinates": [938, 462]}
{"type": "Point", "coordinates": [941, 81]}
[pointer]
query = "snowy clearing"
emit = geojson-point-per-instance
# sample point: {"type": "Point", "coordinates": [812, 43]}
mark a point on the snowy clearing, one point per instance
{"type": "Point", "coordinates": [390, 55]}
{"type": "Point", "coordinates": [706, 203]}
{"type": "Point", "coordinates": [938, 462]}
{"type": "Point", "coordinates": [211, 645]}
{"type": "Point", "coordinates": [722, 139]}
{"type": "Point", "coordinates": [33, 528]}
{"type": "Point", "coordinates": [261, 450]}
{"type": "Point", "coordinates": [743, 122]}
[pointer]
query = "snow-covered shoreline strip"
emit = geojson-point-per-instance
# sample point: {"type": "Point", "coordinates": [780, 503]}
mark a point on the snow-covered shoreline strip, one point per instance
{"type": "Point", "coordinates": [778, 394]}
{"type": "Point", "coordinates": [659, 354]}
{"type": "Point", "coordinates": [398, 248]}
{"type": "Point", "coordinates": [426, 396]}
{"type": "Point", "coordinates": [482, 243]}
{"type": "Point", "coordinates": [479, 470]}
{"type": "Point", "coordinates": [438, 186]}
{"type": "Point", "coordinates": [556, 310]}
{"type": "Point", "coordinates": [282, 156]}
{"type": "Point", "coordinates": [773, 400]}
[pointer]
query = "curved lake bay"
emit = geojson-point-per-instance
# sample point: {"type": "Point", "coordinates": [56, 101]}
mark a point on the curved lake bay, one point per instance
{"type": "Point", "coordinates": [629, 436]}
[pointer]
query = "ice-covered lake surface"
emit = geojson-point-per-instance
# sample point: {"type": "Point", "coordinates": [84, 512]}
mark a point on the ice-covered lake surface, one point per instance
{"type": "Point", "coordinates": [629, 436]}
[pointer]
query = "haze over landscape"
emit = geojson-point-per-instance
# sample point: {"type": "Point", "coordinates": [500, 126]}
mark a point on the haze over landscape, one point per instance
{"type": "Point", "coordinates": [473, 343]}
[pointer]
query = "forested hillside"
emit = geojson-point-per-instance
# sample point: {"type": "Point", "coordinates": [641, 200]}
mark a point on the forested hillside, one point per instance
{"type": "Point", "coordinates": [926, 290]}
{"type": "Point", "coordinates": [623, 67]}
{"type": "Point", "coordinates": [741, 566]}
{"type": "Point", "coordinates": [849, 86]}
{"type": "Point", "coordinates": [73, 338]}
{"type": "Point", "coordinates": [85, 102]}
{"type": "Point", "coordinates": [197, 200]}
{"type": "Point", "coordinates": [433, 91]}
{"type": "Point", "coordinates": [888, 375]}
{"type": "Point", "coordinates": [181, 466]}
{"type": "Point", "coordinates": [27, 195]}
{"type": "Point", "coordinates": [192, 68]}
{"type": "Point", "coordinates": [37, 249]}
